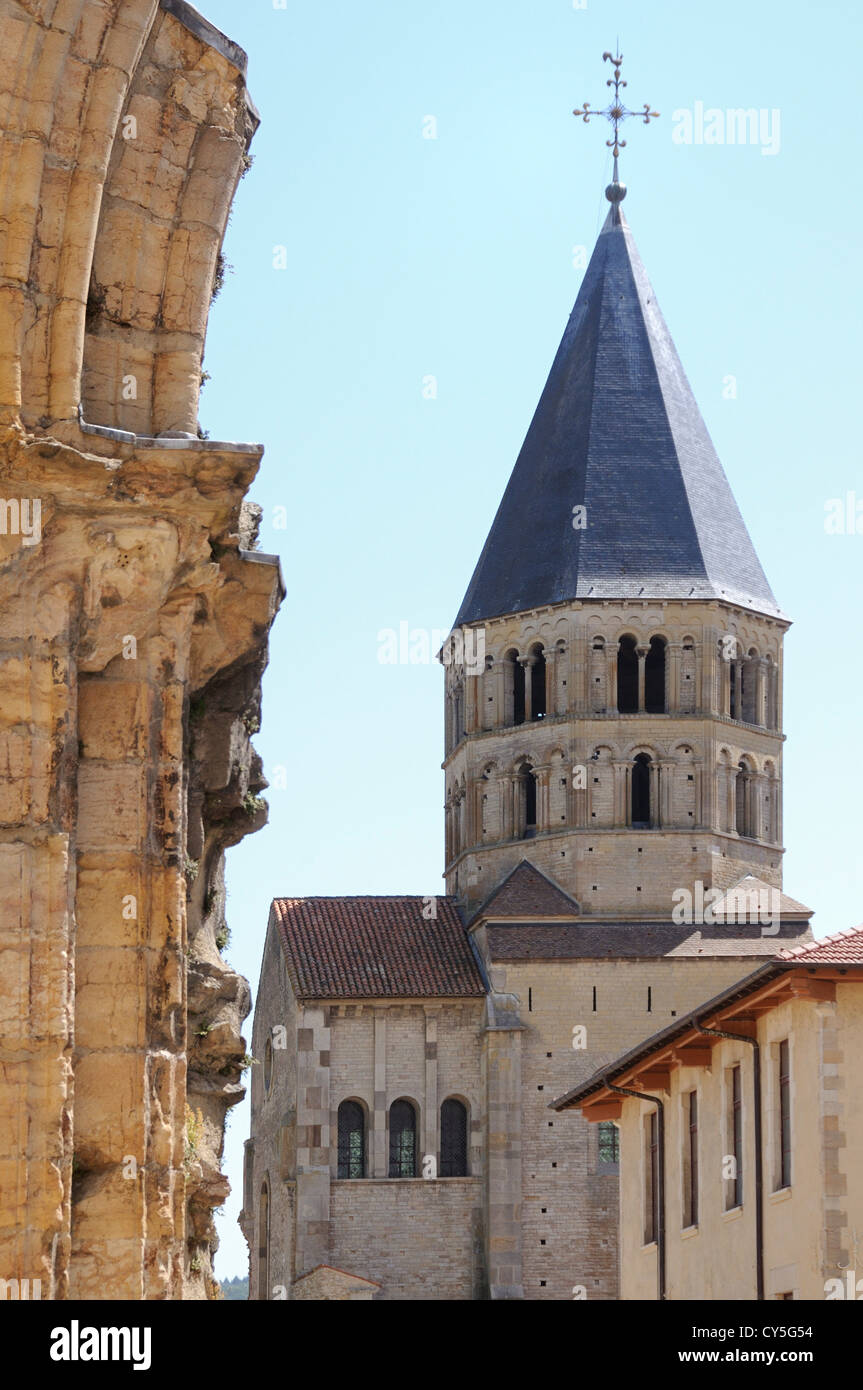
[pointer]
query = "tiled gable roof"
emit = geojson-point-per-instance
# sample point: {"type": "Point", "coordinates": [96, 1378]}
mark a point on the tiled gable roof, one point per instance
{"type": "Point", "coordinates": [528, 892]}
{"type": "Point", "coordinates": [376, 948]}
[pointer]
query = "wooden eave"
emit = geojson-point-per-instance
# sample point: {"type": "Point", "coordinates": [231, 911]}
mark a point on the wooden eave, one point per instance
{"type": "Point", "coordinates": [694, 1048]}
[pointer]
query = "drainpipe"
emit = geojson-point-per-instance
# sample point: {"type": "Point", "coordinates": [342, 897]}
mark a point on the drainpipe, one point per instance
{"type": "Point", "coordinates": [660, 1154]}
{"type": "Point", "coordinates": [759, 1167]}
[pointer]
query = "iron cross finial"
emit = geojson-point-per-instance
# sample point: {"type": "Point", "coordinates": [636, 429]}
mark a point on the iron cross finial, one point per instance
{"type": "Point", "coordinates": [615, 112]}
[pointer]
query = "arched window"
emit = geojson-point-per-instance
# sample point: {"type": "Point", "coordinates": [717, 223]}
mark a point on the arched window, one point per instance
{"type": "Point", "coordinates": [537, 683]}
{"type": "Point", "coordinates": [453, 1139]}
{"type": "Point", "coordinates": [654, 677]}
{"type": "Point", "coordinates": [741, 800]}
{"type": "Point", "coordinates": [526, 802]}
{"type": "Point", "coordinates": [518, 693]}
{"type": "Point", "coordinates": [403, 1140]}
{"type": "Point", "coordinates": [268, 1065]}
{"type": "Point", "coordinates": [513, 688]}
{"type": "Point", "coordinates": [458, 714]}
{"type": "Point", "coordinates": [264, 1243]}
{"type": "Point", "coordinates": [352, 1140]}
{"type": "Point", "coordinates": [641, 790]}
{"type": "Point", "coordinates": [749, 688]}
{"type": "Point", "coordinates": [627, 676]}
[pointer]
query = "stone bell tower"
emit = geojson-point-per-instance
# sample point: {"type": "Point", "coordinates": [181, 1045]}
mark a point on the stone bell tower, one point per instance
{"type": "Point", "coordinates": [614, 697]}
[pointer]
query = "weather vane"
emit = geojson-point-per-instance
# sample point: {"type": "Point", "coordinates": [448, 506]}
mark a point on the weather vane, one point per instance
{"type": "Point", "coordinates": [615, 113]}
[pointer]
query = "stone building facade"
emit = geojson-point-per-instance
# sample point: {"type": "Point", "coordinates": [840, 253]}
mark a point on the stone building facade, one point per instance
{"type": "Point", "coordinates": [134, 613]}
{"type": "Point", "coordinates": [797, 1023]}
{"type": "Point", "coordinates": [613, 854]}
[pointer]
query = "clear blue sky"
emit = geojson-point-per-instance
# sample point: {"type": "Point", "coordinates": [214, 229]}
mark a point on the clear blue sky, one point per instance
{"type": "Point", "coordinates": [410, 257]}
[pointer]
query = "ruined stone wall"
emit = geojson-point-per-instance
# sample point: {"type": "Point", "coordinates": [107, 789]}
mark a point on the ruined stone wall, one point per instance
{"type": "Point", "coordinates": [134, 614]}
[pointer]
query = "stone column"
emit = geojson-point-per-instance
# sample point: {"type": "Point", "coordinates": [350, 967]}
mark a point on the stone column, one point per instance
{"type": "Point", "coordinates": [620, 814]}
{"type": "Point", "coordinates": [673, 655]}
{"type": "Point", "coordinates": [528, 662]}
{"type": "Point", "coordinates": [760, 687]}
{"type": "Point", "coordinates": [641, 653]}
{"type": "Point", "coordinates": [543, 809]}
{"type": "Point", "coordinates": [708, 669]}
{"type": "Point", "coordinates": [724, 683]}
{"type": "Point", "coordinates": [551, 673]}
{"type": "Point", "coordinates": [611, 680]}
{"type": "Point", "coordinates": [655, 808]}
{"type": "Point", "coordinates": [507, 821]}
{"type": "Point", "coordinates": [666, 787]}
{"type": "Point", "coordinates": [471, 700]}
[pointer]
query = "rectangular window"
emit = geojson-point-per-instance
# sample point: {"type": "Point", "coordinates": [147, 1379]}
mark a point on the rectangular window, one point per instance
{"type": "Point", "coordinates": [690, 1159]}
{"type": "Point", "coordinates": [784, 1166]}
{"type": "Point", "coordinates": [609, 1144]}
{"type": "Point", "coordinates": [651, 1177]}
{"type": "Point", "coordinates": [734, 1124]}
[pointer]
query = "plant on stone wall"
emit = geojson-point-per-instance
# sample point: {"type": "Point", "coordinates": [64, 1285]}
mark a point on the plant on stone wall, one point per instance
{"type": "Point", "coordinates": [190, 868]}
{"type": "Point", "coordinates": [223, 936]}
{"type": "Point", "coordinates": [253, 804]}
{"type": "Point", "coordinates": [252, 723]}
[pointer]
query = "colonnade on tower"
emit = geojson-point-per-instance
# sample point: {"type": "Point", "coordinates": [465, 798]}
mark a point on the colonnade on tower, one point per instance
{"type": "Point", "coordinates": [573, 729]}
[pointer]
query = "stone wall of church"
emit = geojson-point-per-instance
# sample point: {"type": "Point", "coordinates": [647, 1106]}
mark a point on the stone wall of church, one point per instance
{"type": "Point", "coordinates": [421, 1235]}
{"type": "Point", "coordinates": [570, 1207]}
{"type": "Point", "coordinates": [270, 1157]}
{"type": "Point", "coordinates": [419, 1239]}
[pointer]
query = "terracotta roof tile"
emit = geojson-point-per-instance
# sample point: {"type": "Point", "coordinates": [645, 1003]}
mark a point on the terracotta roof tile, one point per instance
{"type": "Point", "coordinates": [376, 948]}
{"type": "Point", "coordinates": [843, 948]}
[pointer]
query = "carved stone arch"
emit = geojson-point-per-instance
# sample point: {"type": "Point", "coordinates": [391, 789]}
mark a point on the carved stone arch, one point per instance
{"type": "Point", "coordinates": [653, 750]}
{"type": "Point", "coordinates": [687, 749]}
{"type": "Point", "coordinates": [607, 752]}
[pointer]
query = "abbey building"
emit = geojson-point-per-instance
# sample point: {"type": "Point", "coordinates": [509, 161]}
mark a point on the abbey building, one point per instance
{"type": "Point", "coordinates": [617, 749]}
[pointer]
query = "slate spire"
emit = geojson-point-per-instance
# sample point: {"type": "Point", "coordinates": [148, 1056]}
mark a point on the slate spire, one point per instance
{"type": "Point", "coordinates": [617, 431]}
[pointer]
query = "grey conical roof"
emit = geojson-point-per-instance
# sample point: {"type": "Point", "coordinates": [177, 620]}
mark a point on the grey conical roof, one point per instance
{"type": "Point", "coordinates": [618, 431]}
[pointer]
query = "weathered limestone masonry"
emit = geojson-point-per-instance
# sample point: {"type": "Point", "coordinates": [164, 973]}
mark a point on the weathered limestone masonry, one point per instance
{"type": "Point", "coordinates": [134, 616]}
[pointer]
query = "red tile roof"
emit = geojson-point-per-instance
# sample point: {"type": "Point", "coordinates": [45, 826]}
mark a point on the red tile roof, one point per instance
{"type": "Point", "coordinates": [376, 948]}
{"type": "Point", "coordinates": [843, 948]}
